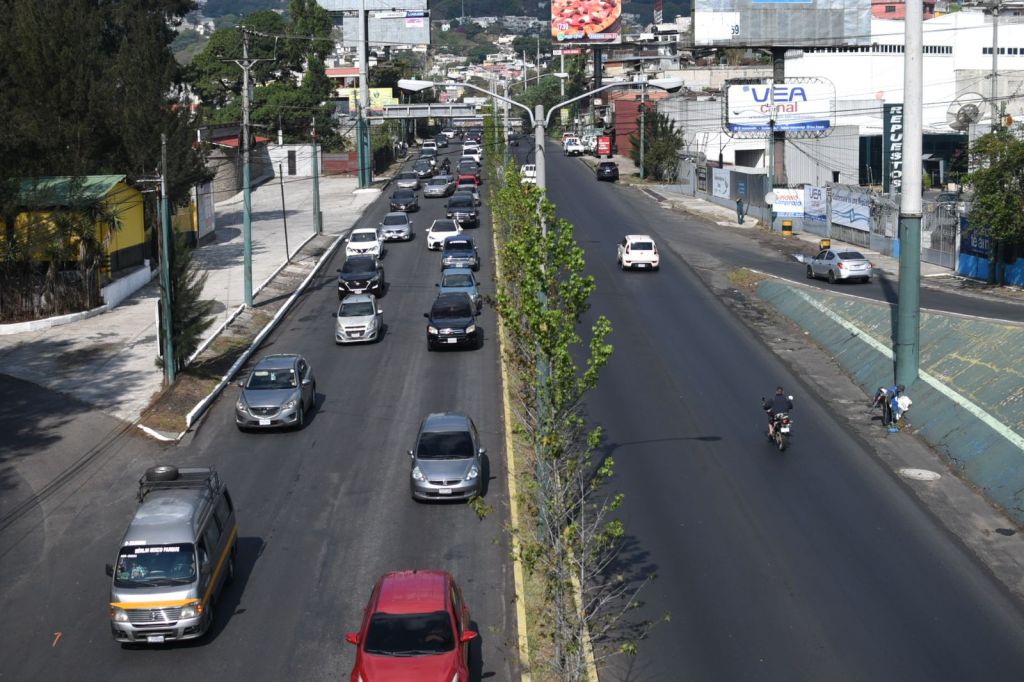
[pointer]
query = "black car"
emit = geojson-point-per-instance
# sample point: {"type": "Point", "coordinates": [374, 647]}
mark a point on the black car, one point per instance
{"type": "Point", "coordinates": [459, 252]}
{"type": "Point", "coordinates": [423, 168]}
{"type": "Point", "coordinates": [404, 200]}
{"type": "Point", "coordinates": [608, 170]}
{"type": "Point", "coordinates": [441, 141]}
{"type": "Point", "coordinates": [462, 209]}
{"type": "Point", "coordinates": [361, 275]}
{"type": "Point", "coordinates": [452, 322]}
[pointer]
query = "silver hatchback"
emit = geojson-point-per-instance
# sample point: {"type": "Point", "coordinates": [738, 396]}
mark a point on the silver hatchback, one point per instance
{"type": "Point", "coordinates": [447, 461]}
{"type": "Point", "coordinates": [278, 392]}
{"type": "Point", "coordinates": [358, 319]}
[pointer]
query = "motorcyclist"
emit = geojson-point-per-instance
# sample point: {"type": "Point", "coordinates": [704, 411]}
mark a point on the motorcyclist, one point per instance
{"type": "Point", "coordinates": [446, 165]}
{"type": "Point", "coordinates": [779, 403]}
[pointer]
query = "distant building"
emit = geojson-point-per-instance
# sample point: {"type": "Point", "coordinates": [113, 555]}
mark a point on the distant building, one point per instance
{"type": "Point", "coordinates": [897, 9]}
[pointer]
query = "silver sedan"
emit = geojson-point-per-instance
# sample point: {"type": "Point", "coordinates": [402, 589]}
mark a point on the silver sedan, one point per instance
{"type": "Point", "coordinates": [407, 180]}
{"type": "Point", "coordinates": [840, 264]}
{"type": "Point", "coordinates": [439, 186]}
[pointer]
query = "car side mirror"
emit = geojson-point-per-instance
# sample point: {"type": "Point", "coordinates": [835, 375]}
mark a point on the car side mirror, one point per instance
{"type": "Point", "coordinates": [482, 451]}
{"type": "Point", "coordinates": [110, 570]}
{"type": "Point", "coordinates": [790, 398]}
{"type": "Point", "coordinates": [307, 381]}
{"type": "Point", "coordinates": [338, 271]}
{"type": "Point", "coordinates": [241, 383]}
{"type": "Point", "coordinates": [468, 636]}
{"type": "Point", "coordinates": [380, 311]}
{"type": "Point", "coordinates": [436, 284]}
{"type": "Point", "coordinates": [426, 315]}
{"type": "Point", "coordinates": [352, 638]}
{"type": "Point", "coordinates": [411, 456]}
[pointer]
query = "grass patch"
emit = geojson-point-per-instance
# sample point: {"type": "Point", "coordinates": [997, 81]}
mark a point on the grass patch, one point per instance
{"type": "Point", "coordinates": [745, 279]}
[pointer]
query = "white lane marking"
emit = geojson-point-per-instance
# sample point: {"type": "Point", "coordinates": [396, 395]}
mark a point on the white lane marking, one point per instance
{"type": "Point", "coordinates": [1009, 434]}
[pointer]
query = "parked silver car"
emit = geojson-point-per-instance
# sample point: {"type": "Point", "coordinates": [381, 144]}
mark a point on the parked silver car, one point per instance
{"type": "Point", "coordinates": [279, 391]}
{"type": "Point", "coordinates": [439, 186]}
{"type": "Point", "coordinates": [447, 461]}
{"type": "Point", "coordinates": [358, 319]}
{"type": "Point", "coordinates": [843, 264]}
{"type": "Point", "coordinates": [407, 180]}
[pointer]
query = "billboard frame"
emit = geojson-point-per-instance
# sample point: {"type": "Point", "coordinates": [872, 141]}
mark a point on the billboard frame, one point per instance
{"type": "Point", "coordinates": [768, 131]}
{"type": "Point", "coordinates": [788, 23]}
{"type": "Point", "coordinates": [610, 34]}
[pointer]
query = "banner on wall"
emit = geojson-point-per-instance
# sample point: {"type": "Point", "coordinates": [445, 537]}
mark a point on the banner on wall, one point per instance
{"type": "Point", "coordinates": [815, 204]}
{"type": "Point", "coordinates": [702, 178]}
{"type": "Point", "coordinates": [789, 203]}
{"type": "Point", "coordinates": [892, 147]}
{"type": "Point", "coordinates": [720, 183]}
{"type": "Point", "coordinates": [851, 206]}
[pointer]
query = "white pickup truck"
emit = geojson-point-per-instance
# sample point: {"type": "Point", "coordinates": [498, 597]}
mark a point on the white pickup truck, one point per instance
{"type": "Point", "coordinates": [573, 147]}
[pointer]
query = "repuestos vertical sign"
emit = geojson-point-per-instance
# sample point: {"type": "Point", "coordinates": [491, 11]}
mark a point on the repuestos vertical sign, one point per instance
{"type": "Point", "coordinates": [892, 147]}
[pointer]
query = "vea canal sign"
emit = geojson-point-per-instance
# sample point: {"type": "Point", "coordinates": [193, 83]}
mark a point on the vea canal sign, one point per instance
{"type": "Point", "coordinates": [790, 107]}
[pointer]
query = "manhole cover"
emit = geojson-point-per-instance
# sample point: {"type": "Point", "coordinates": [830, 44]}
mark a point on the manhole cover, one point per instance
{"type": "Point", "coordinates": [919, 474]}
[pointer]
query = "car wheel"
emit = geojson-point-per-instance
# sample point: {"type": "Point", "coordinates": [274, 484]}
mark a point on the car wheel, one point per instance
{"type": "Point", "coordinates": [810, 272]}
{"type": "Point", "coordinates": [866, 280]}
{"type": "Point", "coordinates": [831, 277]}
{"type": "Point", "coordinates": [300, 419]}
{"type": "Point", "coordinates": [163, 472]}
{"type": "Point", "coordinates": [479, 341]}
{"type": "Point", "coordinates": [430, 347]}
{"type": "Point", "coordinates": [229, 576]}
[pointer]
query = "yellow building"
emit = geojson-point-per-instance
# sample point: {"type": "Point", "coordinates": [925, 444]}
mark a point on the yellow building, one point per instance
{"type": "Point", "coordinates": [115, 207]}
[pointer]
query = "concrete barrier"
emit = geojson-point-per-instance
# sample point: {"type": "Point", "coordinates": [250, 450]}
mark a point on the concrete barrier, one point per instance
{"type": "Point", "coordinates": [123, 287]}
{"type": "Point", "coordinates": [969, 400]}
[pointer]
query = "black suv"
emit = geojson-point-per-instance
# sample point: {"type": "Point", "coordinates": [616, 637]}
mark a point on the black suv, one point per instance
{"type": "Point", "coordinates": [462, 209]}
{"type": "Point", "coordinates": [608, 170]}
{"type": "Point", "coordinates": [361, 275]}
{"type": "Point", "coordinates": [404, 200]}
{"type": "Point", "coordinates": [452, 322]}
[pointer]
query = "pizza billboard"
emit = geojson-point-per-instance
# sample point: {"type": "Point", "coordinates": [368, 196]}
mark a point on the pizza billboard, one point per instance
{"type": "Point", "coordinates": [783, 23]}
{"type": "Point", "coordinates": [586, 22]}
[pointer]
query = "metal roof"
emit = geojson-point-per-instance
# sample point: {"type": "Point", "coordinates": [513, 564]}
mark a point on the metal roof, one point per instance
{"type": "Point", "coordinates": [65, 190]}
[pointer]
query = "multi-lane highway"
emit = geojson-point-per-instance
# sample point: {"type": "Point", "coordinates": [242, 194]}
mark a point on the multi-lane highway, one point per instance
{"type": "Point", "coordinates": [814, 564]}
{"type": "Point", "coordinates": [322, 511]}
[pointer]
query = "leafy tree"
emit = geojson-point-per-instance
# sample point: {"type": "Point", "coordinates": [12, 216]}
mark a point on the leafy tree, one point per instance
{"type": "Point", "coordinates": [190, 314]}
{"type": "Point", "coordinates": [662, 142]}
{"type": "Point", "coordinates": [572, 538]}
{"type": "Point", "coordinates": [998, 204]}
{"type": "Point", "coordinates": [309, 29]}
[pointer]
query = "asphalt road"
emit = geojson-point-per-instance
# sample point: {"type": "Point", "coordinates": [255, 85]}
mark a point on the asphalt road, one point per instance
{"type": "Point", "coordinates": [813, 564]}
{"type": "Point", "coordinates": [322, 512]}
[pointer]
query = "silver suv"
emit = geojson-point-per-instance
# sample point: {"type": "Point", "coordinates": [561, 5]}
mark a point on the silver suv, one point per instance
{"type": "Point", "coordinates": [447, 461]}
{"type": "Point", "coordinates": [279, 391]}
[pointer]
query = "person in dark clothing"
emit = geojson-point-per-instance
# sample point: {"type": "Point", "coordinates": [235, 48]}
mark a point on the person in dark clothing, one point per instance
{"type": "Point", "coordinates": [884, 398]}
{"type": "Point", "coordinates": [446, 165]}
{"type": "Point", "coordinates": [741, 211]}
{"type": "Point", "coordinates": [778, 403]}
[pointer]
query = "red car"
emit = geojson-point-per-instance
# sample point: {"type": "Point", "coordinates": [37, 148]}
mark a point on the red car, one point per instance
{"type": "Point", "coordinates": [416, 627]}
{"type": "Point", "coordinates": [468, 177]}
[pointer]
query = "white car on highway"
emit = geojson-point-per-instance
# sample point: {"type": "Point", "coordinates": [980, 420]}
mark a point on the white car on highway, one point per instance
{"type": "Point", "coordinates": [637, 251]}
{"type": "Point", "coordinates": [368, 240]}
{"type": "Point", "coordinates": [573, 147]}
{"type": "Point", "coordinates": [440, 229]}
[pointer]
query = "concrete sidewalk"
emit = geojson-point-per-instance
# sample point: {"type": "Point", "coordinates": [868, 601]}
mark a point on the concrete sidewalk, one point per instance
{"type": "Point", "coordinates": [109, 360]}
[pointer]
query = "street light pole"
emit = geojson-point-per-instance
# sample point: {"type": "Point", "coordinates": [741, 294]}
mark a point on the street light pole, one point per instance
{"type": "Point", "coordinates": [643, 126]}
{"type": "Point", "coordinates": [166, 251]}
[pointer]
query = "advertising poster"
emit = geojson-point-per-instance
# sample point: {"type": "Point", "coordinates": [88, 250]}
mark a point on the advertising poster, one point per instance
{"type": "Point", "coordinates": [586, 22]}
{"type": "Point", "coordinates": [604, 145]}
{"type": "Point", "coordinates": [789, 203]}
{"type": "Point", "coordinates": [851, 206]}
{"type": "Point", "coordinates": [797, 107]}
{"type": "Point", "coordinates": [815, 204]}
{"type": "Point", "coordinates": [702, 178]}
{"type": "Point", "coordinates": [720, 183]}
{"type": "Point", "coordinates": [892, 147]}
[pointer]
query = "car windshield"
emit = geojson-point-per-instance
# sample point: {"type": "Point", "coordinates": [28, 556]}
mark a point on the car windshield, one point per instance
{"type": "Point", "coordinates": [356, 309]}
{"type": "Point", "coordinates": [271, 379]}
{"type": "Point", "coordinates": [467, 183]}
{"type": "Point", "coordinates": [642, 246]}
{"type": "Point", "coordinates": [407, 175]}
{"type": "Point", "coordinates": [395, 219]}
{"type": "Point", "coordinates": [404, 195]}
{"type": "Point", "coordinates": [364, 237]}
{"type": "Point", "coordinates": [155, 565]}
{"type": "Point", "coordinates": [457, 280]}
{"type": "Point", "coordinates": [447, 226]}
{"type": "Point", "coordinates": [461, 202]}
{"type": "Point", "coordinates": [851, 255]}
{"type": "Point", "coordinates": [438, 182]}
{"type": "Point", "coordinates": [409, 634]}
{"type": "Point", "coordinates": [445, 445]}
{"type": "Point", "coordinates": [422, 163]}
{"type": "Point", "coordinates": [358, 265]}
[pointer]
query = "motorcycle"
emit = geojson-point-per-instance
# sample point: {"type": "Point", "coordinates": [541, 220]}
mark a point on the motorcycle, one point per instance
{"type": "Point", "coordinates": [781, 426]}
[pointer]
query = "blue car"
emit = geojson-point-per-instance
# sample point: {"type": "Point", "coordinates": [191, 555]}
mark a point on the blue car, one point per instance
{"type": "Point", "coordinates": [460, 280]}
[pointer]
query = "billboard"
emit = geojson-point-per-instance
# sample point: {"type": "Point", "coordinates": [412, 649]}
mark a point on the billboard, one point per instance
{"type": "Point", "coordinates": [400, 27]}
{"type": "Point", "coordinates": [379, 98]}
{"type": "Point", "coordinates": [371, 5]}
{"type": "Point", "coordinates": [720, 183]}
{"type": "Point", "coordinates": [586, 22]}
{"type": "Point", "coordinates": [783, 23]}
{"type": "Point", "coordinates": [804, 107]}
{"type": "Point", "coordinates": [815, 204]}
{"type": "Point", "coordinates": [892, 147]}
{"type": "Point", "coordinates": [851, 206]}
{"type": "Point", "coordinates": [789, 202]}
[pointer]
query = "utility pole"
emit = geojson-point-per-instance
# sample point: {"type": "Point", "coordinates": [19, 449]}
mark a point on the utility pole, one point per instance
{"type": "Point", "coordinates": [284, 214]}
{"type": "Point", "coordinates": [643, 125]}
{"type": "Point", "coordinates": [908, 308]}
{"type": "Point", "coordinates": [996, 6]}
{"type": "Point", "coordinates": [561, 69]}
{"type": "Point", "coordinates": [246, 64]}
{"type": "Point", "coordinates": [166, 250]}
{"type": "Point", "coordinates": [362, 124]}
{"type": "Point", "coordinates": [318, 227]}
{"type": "Point", "coordinates": [538, 146]}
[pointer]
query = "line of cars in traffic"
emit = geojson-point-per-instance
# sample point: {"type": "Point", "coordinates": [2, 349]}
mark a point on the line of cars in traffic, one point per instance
{"type": "Point", "coordinates": [179, 550]}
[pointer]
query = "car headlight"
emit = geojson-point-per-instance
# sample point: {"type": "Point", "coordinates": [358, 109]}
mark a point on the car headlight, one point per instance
{"type": "Point", "coordinates": [290, 405]}
{"type": "Point", "coordinates": [455, 677]}
{"type": "Point", "coordinates": [470, 329]}
{"type": "Point", "coordinates": [472, 473]}
{"type": "Point", "coordinates": [241, 406]}
{"type": "Point", "coordinates": [118, 615]}
{"type": "Point", "coordinates": [190, 610]}
{"type": "Point", "coordinates": [431, 329]}
{"type": "Point", "coordinates": [417, 475]}
{"type": "Point", "coordinates": [372, 325]}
